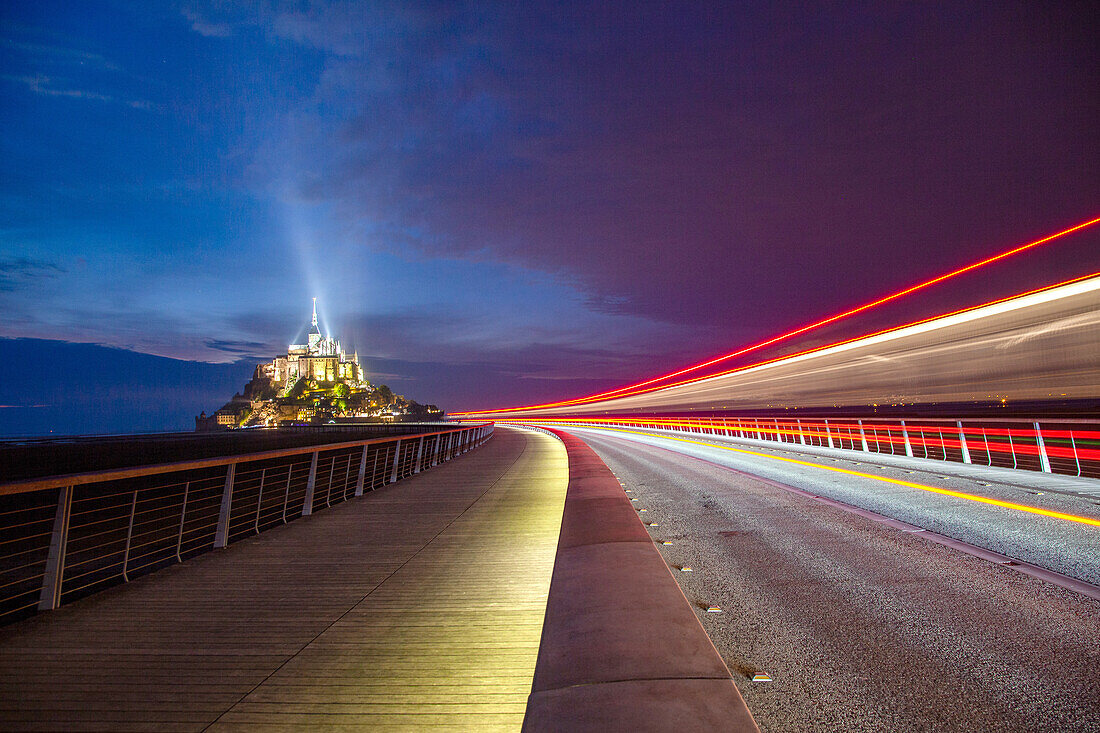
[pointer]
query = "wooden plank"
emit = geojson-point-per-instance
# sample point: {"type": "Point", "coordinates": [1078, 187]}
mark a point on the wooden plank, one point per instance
{"type": "Point", "coordinates": [417, 605]}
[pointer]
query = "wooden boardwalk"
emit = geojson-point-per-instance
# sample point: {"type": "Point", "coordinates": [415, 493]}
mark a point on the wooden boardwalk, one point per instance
{"type": "Point", "coordinates": [417, 606]}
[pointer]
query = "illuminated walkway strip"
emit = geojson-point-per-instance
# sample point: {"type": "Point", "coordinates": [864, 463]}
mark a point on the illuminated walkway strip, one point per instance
{"type": "Point", "coordinates": [899, 482]}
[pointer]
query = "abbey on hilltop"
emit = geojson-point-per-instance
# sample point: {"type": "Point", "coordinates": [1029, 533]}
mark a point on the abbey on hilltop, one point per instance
{"type": "Point", "coordinates": [315, 382]}
{"type": "Point", "coordinates": [320, 359]}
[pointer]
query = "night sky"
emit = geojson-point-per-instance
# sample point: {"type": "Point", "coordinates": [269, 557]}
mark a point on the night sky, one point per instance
{"type": "Point", "coordinates": [505, 204]}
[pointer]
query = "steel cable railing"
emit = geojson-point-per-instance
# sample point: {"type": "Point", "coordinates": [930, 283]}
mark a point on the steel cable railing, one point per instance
{"type": "Point", "coordinates": [65, 537]}
{"type": "Point", "coordinates": [1061, 446]}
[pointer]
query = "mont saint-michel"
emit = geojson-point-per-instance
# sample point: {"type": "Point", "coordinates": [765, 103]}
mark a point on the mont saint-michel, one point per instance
{"type": "Point", "coordinates": [314, 382]}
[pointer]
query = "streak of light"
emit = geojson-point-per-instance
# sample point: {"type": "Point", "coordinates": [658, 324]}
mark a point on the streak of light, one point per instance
{"type": "Point", "coordinates": [1004, 305]}
{"type": "Point", "coordinates": [1049, 293]}
{"type": "Point", "coordinates": [798, 331]}
{"type": "Point", "coordinates": [978, 439]}
{"type": "Point", "coordinates": [899, 482]}
{"type": "Point", "coordinates": [941, 320]}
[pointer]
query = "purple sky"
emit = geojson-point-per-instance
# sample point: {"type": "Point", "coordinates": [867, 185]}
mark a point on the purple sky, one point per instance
{"type": "Point", "coordinates": [498, 204]}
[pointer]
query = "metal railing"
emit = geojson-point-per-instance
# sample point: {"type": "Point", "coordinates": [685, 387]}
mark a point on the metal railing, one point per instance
{"type": "Point", "coordinates": [65, 537]}
{"type": "Point", "coordinates": [1068, 447]}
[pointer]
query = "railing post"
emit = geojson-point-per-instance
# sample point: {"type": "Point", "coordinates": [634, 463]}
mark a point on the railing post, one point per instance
{"type": "Point", "coordinates": [828, 434]}
{"type": "Point", "coordinates": [419, 455]}
{"type": "Point", "coordinates": [863, 437]}
{"type": "Point", "coordinates": [259, 501]}
{"type": "Point", "coordinates": [347, 477]}
{"type": "Point", "coordinates": [905, 437]}
{"type": "Point", "coordinates": [50, 597]}
{"type": "Point", "coordinates": [1076, 459]}
{"type": "Point", "coordinates": [1044, 459]}
{"type": "Point", "coordinates": [286, 494]}
{"type": "Point", "coordinates": [129, 535]}
{"type": "Point", "coordinates": [962, 442]}
{"type": "Point", "coordinates": [221, 535]}
{"type": "Point", "coordinates": [801, 432]}
{"type": "Point", "coordinates": [362, 473]}
{"type": "Point", "coordinates": [396, 460]}
{"type": "Point", "coordinates": [183, 517]}
{"type": "Point", "coordinates": [331, 473]}
{"type": "Point", "coordinates": [311, 483]}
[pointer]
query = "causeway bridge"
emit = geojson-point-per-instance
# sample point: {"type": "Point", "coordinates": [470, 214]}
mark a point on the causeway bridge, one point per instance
{"type": "Point", "coordinates": [480, 576]}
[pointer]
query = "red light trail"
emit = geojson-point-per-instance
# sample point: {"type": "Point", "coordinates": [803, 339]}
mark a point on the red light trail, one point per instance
{"type": "Point", "coordinates": [824, 347]}
{"type": "Point", "coordinates": [640, 387]}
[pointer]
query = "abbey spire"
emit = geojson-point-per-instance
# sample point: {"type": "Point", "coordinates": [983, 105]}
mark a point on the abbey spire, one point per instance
{"type": "Point", "coordinates": [314, 340]}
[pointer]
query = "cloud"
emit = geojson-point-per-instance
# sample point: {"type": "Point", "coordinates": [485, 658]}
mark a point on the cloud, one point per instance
{"type": "Point", "coordinates": [206, 27]}
{"type": "Point", "coordinates": [41, 84]}
{"type": "Point", "coordinates": [246, 348]}
{"type": "Point", "coordinates": [112, 390]}
{"type": "Point", "coordinates": [62, 54]}
{"type": "Point", "coordinates": [20, 272]}
{"type": "Point", "coordinates": [47, 86]}
{"type": "Point", "coordinates": [676, 165]}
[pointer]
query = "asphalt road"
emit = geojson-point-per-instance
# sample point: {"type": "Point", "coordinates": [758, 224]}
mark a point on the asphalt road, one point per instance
{"type": "Point", "coordinates": [860, 625]}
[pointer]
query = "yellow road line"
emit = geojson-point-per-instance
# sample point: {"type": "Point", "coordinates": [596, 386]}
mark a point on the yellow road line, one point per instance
{"type": "Point", "coordinates": [899, 482]}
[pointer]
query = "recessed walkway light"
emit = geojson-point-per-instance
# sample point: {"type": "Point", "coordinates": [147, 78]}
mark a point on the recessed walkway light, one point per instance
{"type": "Point", "coordinates": [761, 677]}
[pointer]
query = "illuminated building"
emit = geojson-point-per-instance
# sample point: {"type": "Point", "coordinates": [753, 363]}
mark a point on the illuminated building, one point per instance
{"type": "Point", "coordinates": [321, 359]}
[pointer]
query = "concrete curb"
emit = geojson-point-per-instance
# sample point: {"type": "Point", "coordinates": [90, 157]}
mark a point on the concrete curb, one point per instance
{"type": "Point", "coordinates": [621, 647]}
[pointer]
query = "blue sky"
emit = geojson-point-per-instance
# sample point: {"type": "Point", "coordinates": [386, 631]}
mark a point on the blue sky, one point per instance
{"type": "Point", "coordinates": [496, 202]}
